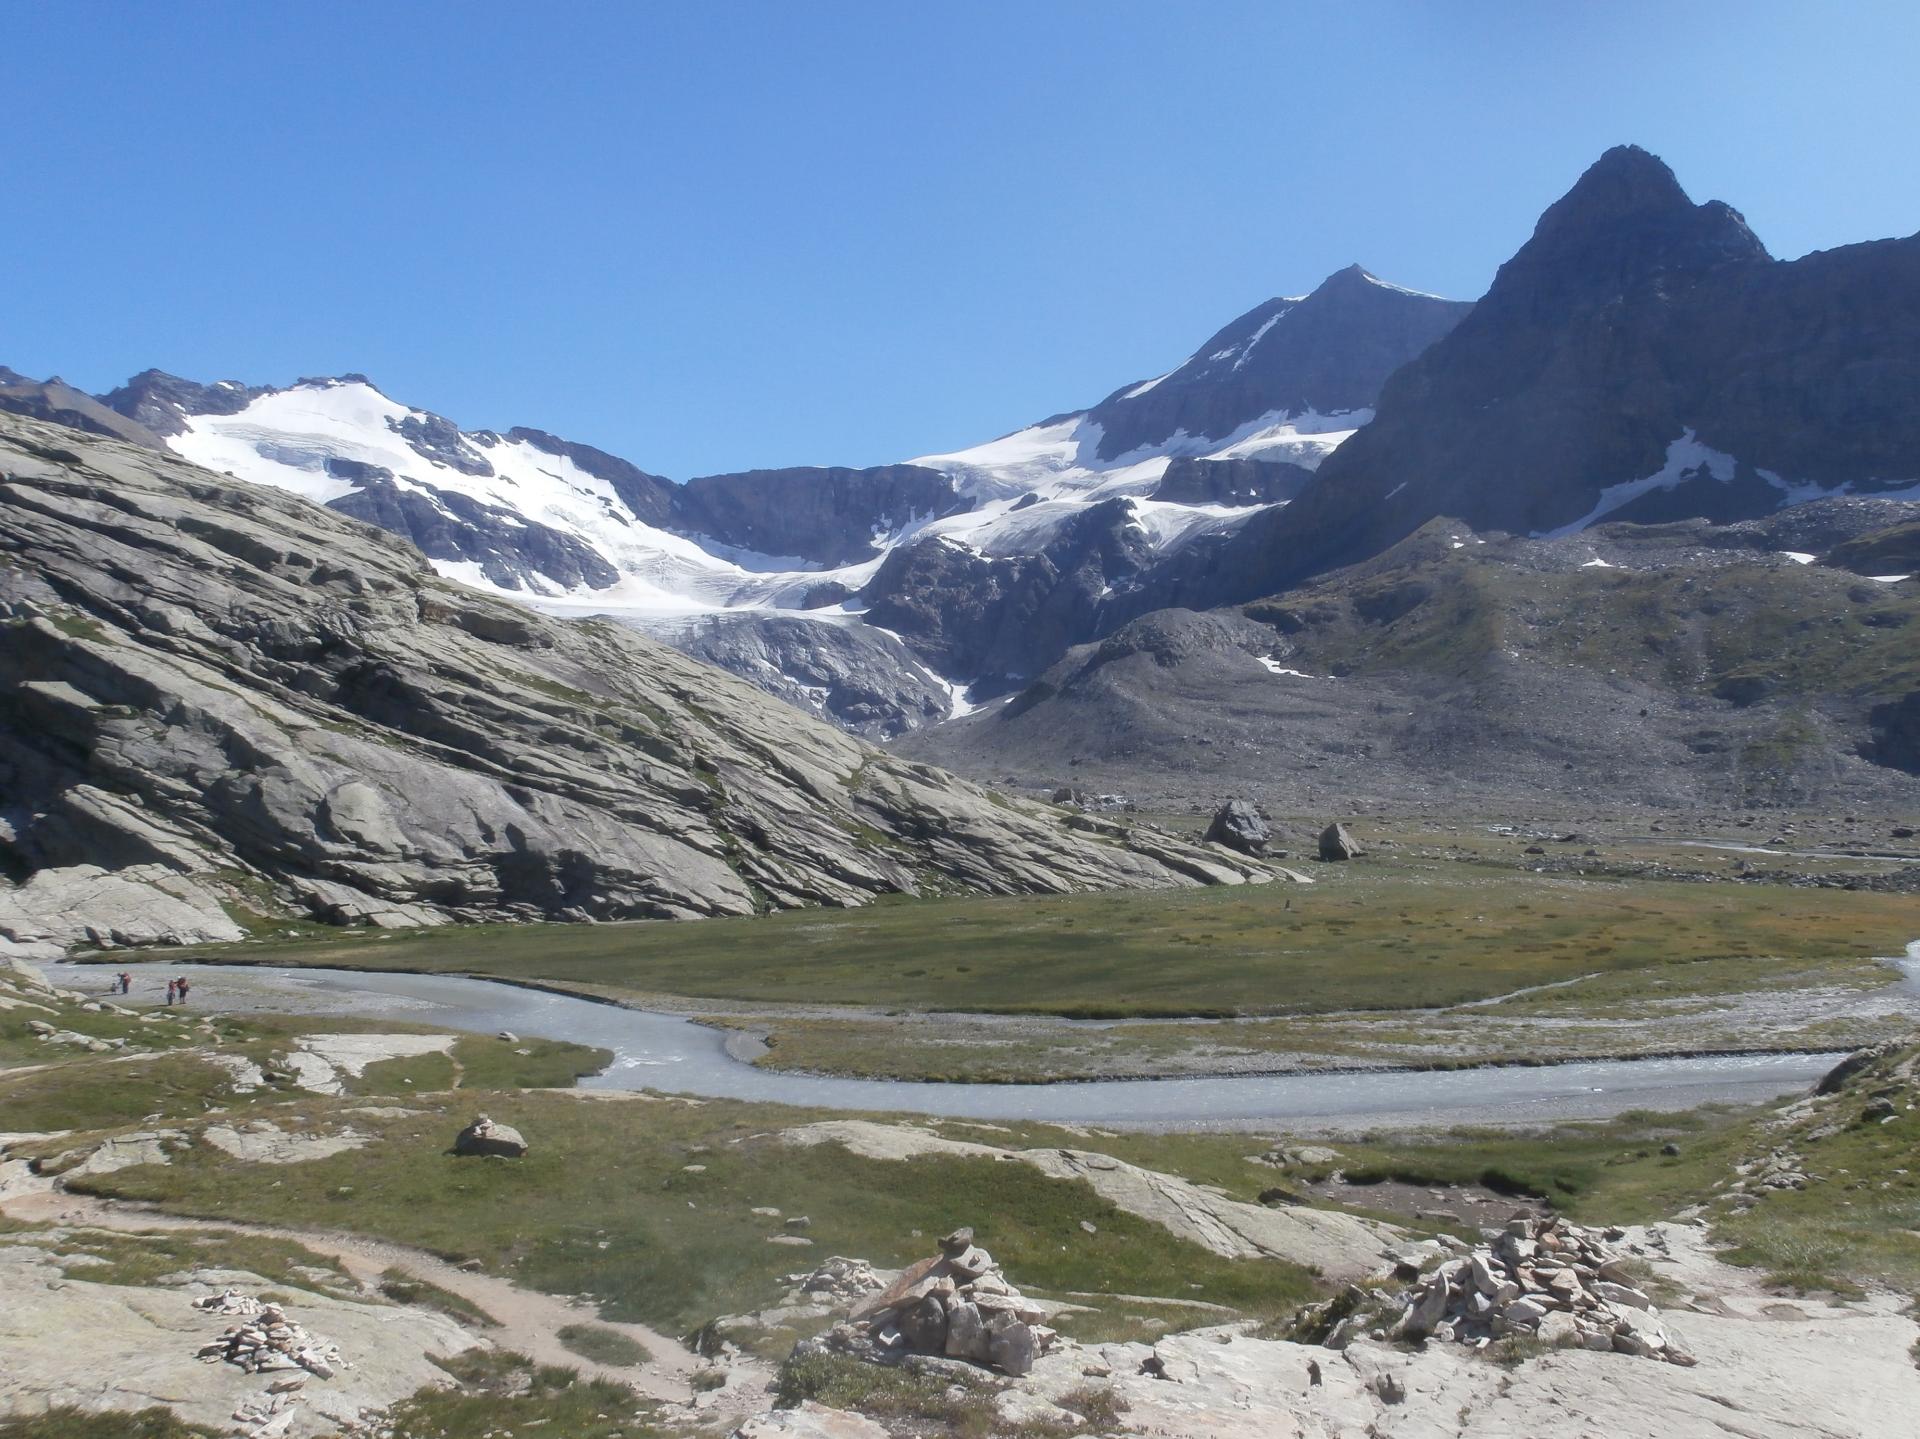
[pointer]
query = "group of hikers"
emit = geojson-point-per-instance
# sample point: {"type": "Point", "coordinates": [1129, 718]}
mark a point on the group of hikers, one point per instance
{"type": "Point", "coordinates": [176, 988]}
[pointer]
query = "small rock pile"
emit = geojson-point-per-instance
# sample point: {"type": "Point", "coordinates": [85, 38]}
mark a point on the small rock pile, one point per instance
{"type": "Point", "coordinates": [956, 1305]}
{"type": "Point", "coordinates": [1546, 1278]}
{"type": "Point", "coordinates": [836, 1281]}
{"type": "Point", "coordinates": [268, 1341]}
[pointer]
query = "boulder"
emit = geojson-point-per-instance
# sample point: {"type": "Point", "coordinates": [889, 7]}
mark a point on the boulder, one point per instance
{"type": "Point", "coordinates": [1426, 1312]}
{"type": "Point", "coordinates": [967, 1336]}
{"type": "Point", "coordinates": [1238, 825]}
{"type": "Point", "coordinates": [923, 1324]}
{"type": "Point", "coordinates": [1013, 1348]}
{"type": "Point", "coordinates": [1338, 843]}
{"type": "Point", "coordinates": [484, 1137]}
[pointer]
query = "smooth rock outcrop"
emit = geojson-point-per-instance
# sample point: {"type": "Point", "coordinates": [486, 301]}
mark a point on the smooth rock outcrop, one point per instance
{"type": "Point", "coordinates": [281, 708]}
{"type": "Point", "coordinates": [1340, 1245]}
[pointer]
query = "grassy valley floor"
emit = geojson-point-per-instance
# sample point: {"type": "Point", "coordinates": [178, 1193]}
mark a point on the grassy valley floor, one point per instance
{"type": "Point", "coordinates": [690, 1218]}
{"type": "Point", "coordinates": [1445, 945]}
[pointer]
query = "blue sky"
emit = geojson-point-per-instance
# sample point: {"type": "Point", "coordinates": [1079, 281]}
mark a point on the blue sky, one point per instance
{"type": "Point", "coordinates": [724, 235]}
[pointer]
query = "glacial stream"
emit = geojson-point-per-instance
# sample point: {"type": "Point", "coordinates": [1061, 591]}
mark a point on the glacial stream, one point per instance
{"type": "Point", "coordinates": [672, 1054]}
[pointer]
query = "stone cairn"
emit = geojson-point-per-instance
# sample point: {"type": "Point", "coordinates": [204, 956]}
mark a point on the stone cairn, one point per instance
{"type": "Point", "coordinates": [267, 1341]}
{"type": "Point", "coordinates": [838, 1280]}
{"type": "Point", "coordinates": [1543, 1278]}
{"type": "Point", "coordinates": [956, 1305]}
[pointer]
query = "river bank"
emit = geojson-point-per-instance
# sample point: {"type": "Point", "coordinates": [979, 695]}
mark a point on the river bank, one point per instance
{"type": "Point", "coordinates": [671, 1053]}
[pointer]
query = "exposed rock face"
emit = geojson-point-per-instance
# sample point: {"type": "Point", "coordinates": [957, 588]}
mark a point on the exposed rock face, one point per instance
{"type": "Point", "coordinates": [1338, 843]}
{"type": "Point", "coordinates": [1325, 352]}
{"type": "Point", "coordinates": [823, 516]}
{"type": "Point", "coordinates": [1238, 825]}
{"type": "Point", "coordinates": [1894, 550]}
{"type": "Point", "coordinates": [511, 551]}
{"type": "Point", "coordinates": [225, 680]}
{"type": "Point", "coordinates": [1340, 1245]}
{"type": "Point", "coordinates": [112, 1348]}
{"type": "Point", "coordinates": [160, 402]}
{"type": "Point", "coordinates": [57, 402]}
{"type": "Point", "coordinates": [857, 676]}
{"type": "Point", "coordinates": [1004, 617]}
{"type": "Point", "coordinates": [649, 497]}
{"type": "Point", "coordinates": [1635, 335]}
{"type": "Point", "coordinates": [86, 904]}
{"type": "Point", "coordinates": [1230, 482]}
{"type": "Point", "coordinates": [1895, 730]}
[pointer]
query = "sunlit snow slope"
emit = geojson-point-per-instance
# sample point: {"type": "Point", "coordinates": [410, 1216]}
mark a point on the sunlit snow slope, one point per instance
{"type": "Point", "coordinates": [1233, 429]}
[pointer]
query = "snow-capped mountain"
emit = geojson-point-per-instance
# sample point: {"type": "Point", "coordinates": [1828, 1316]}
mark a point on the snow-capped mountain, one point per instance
{"type": "Point", "coordinates": [879, 597]}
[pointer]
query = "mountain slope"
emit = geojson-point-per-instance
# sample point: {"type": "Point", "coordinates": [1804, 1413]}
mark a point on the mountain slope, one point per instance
{"type": "Point", "coordinates": [59, 403]}
{"type": "Point", "coordinates": [1639, 358]}
{"type": "Point", "coordinates": [798, 569]}
{"type": "Point", "coordinates": [223, 693]}
{"type": "Point", "coordinates": [1325, 353]}
{"type": "Point", "coordinates": [1657, 666]}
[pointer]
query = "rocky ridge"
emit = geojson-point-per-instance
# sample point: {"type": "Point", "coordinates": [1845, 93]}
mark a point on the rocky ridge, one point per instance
{"type": "Point", "coordinates": [1640, 358]}
{"type": "Point", "coordinates": [1237, 426]}
{"type": "Point", "coordinates": [281, 710]}
{"type": "Point", "coordinates": [1741, 664]}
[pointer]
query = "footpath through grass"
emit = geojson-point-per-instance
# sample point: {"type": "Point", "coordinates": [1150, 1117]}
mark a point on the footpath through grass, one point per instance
{"type": "Point", "coordinates": [1388, 934]}
{"type": "Point", "coordinates": [648, 1207]}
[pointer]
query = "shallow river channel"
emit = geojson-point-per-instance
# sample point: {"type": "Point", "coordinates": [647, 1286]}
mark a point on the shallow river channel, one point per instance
{"type": "Point", "coordinates": [669, 1053]}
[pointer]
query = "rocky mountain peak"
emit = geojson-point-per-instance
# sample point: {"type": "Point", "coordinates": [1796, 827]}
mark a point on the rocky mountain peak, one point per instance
{"type": "Point", "coordinates": [1625, 222]}
{"type": "Point", "coordinates": [161, 401]}
{"type": "Point", "coordinates": [1327, 352]}
{"type": "Point", "coordinates": [1353, 280]}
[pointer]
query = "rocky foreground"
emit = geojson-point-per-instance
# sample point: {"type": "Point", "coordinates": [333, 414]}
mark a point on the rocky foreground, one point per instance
{"type": "Point", "coordinates": [1754, 1364]}
{"type": "Point", "coordinates": [219, 701]}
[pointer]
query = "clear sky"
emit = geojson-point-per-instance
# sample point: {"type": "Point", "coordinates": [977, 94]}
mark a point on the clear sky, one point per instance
{"type": "Point", "coordinates": [711, 236]}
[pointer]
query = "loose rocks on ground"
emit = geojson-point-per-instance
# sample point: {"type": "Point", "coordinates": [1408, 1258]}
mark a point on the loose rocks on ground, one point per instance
{"type": "Point", "coordinates": [954, 1305]}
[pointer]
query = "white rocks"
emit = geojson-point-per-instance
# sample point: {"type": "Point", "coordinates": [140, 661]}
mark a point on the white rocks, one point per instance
{"type": "Point", "coordinates": [839, 1279]}
{"type": "Point", "coordinates": [86, 904]}
{"type": "Point", "coordinates": [1542, 1277]}
{"type": "Point", "coordinates": [954, 1306]}
{"type": "Point", "coordinates": [1621, 1294]}
{"type": "Point", "coordinates": [1341, 1246]}
{"type": "Point", "coordinates": [809, 1421]}
{"type": "Point", "coordinates": [263, 1142]}
{"type": "Point", "coordinates": [268, 1342]}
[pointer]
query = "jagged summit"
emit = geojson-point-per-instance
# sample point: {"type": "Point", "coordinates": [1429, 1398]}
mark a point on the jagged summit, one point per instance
{"type": "Point", "coordinates": [1626, 220]}
{"type": "Point", "coordinates": [1641, 357]}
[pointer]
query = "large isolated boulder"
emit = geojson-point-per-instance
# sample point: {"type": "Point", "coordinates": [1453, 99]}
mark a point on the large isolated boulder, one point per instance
{"type": "Point", "coordinates": [1337, 843]}
{"type": "Point", "coordinates": [1238, 825]}
{"type": "Point", "coordinates": [485, 1137]}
